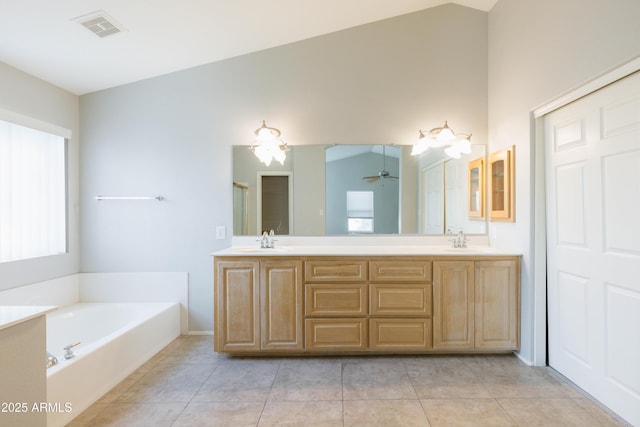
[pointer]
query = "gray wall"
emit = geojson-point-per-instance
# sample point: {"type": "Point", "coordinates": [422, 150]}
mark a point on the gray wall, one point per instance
{"type": "Point", "coordinates": [25, 95]}
{"type": "Point", "coordinates": [308, 191]}
{"type": "Point", "coordinates": [172, 135]}
{"type": "Point", "coordinates": [409, 178]}
{"type": "Point", "coordinates": [540, 50]}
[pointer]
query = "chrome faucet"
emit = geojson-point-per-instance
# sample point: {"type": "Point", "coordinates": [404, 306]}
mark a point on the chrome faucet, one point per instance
{"type": "Point", "coordinates": [267, 240]}
{"type": "Point", "coordinates": [460, 241]}
{"type": "Point", "coordinates": [68, 351]}
{"type": "Point", "coordinates": [51, 360]}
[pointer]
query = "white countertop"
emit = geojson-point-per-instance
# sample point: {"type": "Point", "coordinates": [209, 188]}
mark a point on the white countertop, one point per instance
{"type": "Point", "coordinates": [371, 250]}
{"type": "Point", "coordinates": [11, 315]}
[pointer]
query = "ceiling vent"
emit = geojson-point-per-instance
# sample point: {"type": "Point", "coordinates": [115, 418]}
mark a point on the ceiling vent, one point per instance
{"type": "Point", "coordinates": [100, 23]}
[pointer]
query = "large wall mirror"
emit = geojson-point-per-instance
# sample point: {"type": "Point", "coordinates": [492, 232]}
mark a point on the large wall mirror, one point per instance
{"type": "Point", "coordinates": [355, 189]}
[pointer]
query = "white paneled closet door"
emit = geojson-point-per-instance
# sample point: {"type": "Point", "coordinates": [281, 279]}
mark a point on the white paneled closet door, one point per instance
{"type": "Point", "coordinates": [593, 222]}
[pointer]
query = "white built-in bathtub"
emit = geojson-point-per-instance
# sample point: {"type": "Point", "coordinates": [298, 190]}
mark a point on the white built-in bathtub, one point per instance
{"type": "Point", "coordinates": [115, 339]}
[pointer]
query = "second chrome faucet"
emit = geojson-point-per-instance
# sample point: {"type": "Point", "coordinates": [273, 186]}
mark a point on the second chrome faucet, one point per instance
{"type": "Point", "coordinates": [460, 240]}
{"type": "Point", "coordinates": [267, 240]}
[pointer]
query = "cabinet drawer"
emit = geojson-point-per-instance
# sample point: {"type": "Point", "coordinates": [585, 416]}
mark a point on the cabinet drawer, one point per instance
{"type": "Point", "coordinates": [400, 300]}
{"type": "Point", "coordinates": [335, 271]}
{"type": "Point", "coordinates": [400, 334]}
{"type": "Point", "coordinates": [335, 300]}
{"type": "Point", "coordinates": [400, 271]}
{"type": "Point", "coordinates": [335, 334]}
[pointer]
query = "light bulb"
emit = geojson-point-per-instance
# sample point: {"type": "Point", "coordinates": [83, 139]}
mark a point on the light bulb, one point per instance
{"type": "Point", "coordinates": [278, 154]}
{"type": "Point", "coordinates": [463, 145]}
{"type": "Point", "coordinates": [445, 134]}
{"type": "Point", "coordinates": [264, 135]}
{"type": "Point", "coordinates": [453, 152]}
{"type": "Point", "coordinates": [421, 146]}
{"type": "Point", "coordinates": [263, 154]}
{"type": "Point", "coordinates": [418, 148]}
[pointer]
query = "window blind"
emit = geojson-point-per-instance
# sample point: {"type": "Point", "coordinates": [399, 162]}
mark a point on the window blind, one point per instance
{"type": "Point", "coordinates": [32, 193]}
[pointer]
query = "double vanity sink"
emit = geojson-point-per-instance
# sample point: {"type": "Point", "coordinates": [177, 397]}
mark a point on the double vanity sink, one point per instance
{"type": "Point", "coordinates": [360, 250]}
{"type": "Point", "coordinates": [337, 299]}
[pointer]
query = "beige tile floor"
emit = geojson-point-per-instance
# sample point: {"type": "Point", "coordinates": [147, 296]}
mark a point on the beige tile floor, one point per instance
{"type": "Point", "coordinates": [187, 384]}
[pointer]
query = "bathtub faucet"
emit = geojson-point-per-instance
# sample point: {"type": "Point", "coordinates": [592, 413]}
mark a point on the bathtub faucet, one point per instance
{"type": "Point", "coordinates": [68, 350]}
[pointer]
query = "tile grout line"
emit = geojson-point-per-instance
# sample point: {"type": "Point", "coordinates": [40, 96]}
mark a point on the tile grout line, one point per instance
{"type": "Point", "coordinates": [507, 413]}
{"type": "Point", "coordinates": [342, 389]}
{"type": "Point", "coordinates": [413, 385]}
{"type": "Point", "coordinates": [275, 377]}
{"type": "Point", "coordinates": [587, 396]}
{"type": "Point", "coordinates": [196, 393]}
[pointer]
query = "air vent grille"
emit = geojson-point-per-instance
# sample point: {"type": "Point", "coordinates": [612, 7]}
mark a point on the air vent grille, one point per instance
{"type": "Point", "coordinates": [100, 23]}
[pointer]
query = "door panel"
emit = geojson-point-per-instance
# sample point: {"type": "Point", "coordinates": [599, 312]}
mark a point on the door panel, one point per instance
{"type": "Point", "coordinates": [573, 333]}
{"type": "Point", "coordinates": [237, 304]}
{"type": "Point", "coordinates": [570, 205]}
{"type": "Point", "coordinates": [593, 237]}
{"type": "Point", "coordinates": [453, 304]}
{"type": "Point", "coordinates": [281, 305]}
{"type": "Point", "coordinates": [623, 344]}
{"type": "Point", "coordinates": [496, 305]}
{"type": "Point", "coordinates": [620, 202]}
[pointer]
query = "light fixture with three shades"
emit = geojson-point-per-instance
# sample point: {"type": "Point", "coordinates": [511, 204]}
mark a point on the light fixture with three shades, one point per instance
{"type": "Point", "coordinates": [268, 145]}
{"type": "Point", "coordinates": [456, 143]}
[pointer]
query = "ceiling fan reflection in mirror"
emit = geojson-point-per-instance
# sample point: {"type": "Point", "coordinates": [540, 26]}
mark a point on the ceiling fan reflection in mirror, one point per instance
{"type": "Point", "coordinates": [383, 174]}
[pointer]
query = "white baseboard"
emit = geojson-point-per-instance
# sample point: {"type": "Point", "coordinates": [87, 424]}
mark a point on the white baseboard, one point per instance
{"type": "Point", "coordinates": [527, 361]}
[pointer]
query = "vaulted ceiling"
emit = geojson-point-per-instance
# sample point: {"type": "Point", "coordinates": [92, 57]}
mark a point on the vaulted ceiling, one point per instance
{"type": "Point", "coordinates": [45, 38]}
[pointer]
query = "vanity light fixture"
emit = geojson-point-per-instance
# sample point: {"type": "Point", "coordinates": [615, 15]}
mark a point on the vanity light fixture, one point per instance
{"type": "Point", "coordinates": [456, 143]}
{"type": "Point", "coordinates": [268, 145]}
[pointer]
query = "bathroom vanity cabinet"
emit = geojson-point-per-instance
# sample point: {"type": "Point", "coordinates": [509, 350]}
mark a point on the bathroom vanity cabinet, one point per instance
{"type": "Point", "coordinates": [356, 304]}
{"type": "Point", "coordinates": [259, 305]}
{"type": "Point", "coordinates": [476, 305]}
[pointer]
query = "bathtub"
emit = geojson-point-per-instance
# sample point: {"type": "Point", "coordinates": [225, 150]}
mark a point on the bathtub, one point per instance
{"type": "Point", "coordinates": [114, 340]}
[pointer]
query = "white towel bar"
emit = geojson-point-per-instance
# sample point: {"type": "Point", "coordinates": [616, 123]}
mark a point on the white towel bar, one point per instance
{"type": "Point", "coordinates": [158, 198]}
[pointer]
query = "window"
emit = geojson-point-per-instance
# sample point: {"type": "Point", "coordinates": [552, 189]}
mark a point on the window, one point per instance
{"type": "Point", "coordinates": [33, 200]}
{"type": "Point", "coordinates": [360, 211]}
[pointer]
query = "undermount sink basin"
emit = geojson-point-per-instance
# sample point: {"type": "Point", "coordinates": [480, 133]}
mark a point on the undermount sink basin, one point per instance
{"type": "Point", "coordinates": [260, 250]}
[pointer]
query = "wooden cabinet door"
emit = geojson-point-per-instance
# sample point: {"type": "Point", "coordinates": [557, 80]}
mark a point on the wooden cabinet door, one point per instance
{"type": "Point", "coordinates": [497, 305]}
{"type": "Point", "coordinates": [475, 197]}
{"type": "Point", "coordinates": [237, 301]}
{"type": "Point", "coordinates": [453, 305]}
{"type": "Point", "coordinates": [281, 303]}
{"type": "Point", "coordinates": [501, 185]}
